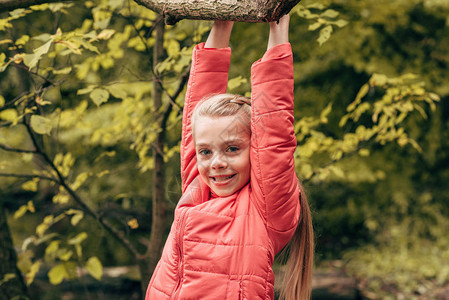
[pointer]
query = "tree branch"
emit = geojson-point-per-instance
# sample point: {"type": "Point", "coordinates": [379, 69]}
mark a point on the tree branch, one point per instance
{"type": "Point", "coordinates": [62, 181]}
{"type": "Point", "coordinates": [243, 11]}
{"type": "Point", "coordinates": [29, 176]}
{"type": "Point", "coordinates": [7, 148]}
{"type": "Point", "coordinates": [9, 5]}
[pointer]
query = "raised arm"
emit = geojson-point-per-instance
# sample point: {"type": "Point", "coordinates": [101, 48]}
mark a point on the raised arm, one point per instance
{"type": "Point", "coordinates": [273, 142]}
{"type": "Point", "coordinates": [208, 75]}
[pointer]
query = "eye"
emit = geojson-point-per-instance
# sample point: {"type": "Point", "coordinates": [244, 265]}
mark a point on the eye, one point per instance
{"type": "Point", "coordinates": [233, 149]}
{"type": "Point", "coordinates": [204, 152]}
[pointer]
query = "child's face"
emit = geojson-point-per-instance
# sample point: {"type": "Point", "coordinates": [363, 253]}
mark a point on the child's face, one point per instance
{"type": "Point", "coordinates": [222, 151]}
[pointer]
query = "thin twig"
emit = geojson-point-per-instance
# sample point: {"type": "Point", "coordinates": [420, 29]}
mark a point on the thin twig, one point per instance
{"type": "Point", "coordinates": [7, 148]}
{"type": "Point", "coordinates": [29, 176]}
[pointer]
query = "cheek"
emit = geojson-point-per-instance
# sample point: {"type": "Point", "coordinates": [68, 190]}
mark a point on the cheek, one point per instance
{"type": "Point", "coordinates": [202, 166]}
{"type": "Point", "coordinates": [244, 163]}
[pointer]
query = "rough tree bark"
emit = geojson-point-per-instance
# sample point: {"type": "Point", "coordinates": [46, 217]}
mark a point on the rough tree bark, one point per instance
{"type": "Point", "coordinates": [149, 262]}
{"type": "Point", "coordinates": [11, 281]}
{"type": "Point", "coordinates": [235, 10]}
{"type": "Point", "coordinates": [175, 10]}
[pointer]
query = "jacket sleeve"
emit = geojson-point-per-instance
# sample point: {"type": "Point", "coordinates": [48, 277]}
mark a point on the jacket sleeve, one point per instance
{"type": "Point", "coordinates": [208, 75]}
{"type": "Point", "coordinates": [273, 142]}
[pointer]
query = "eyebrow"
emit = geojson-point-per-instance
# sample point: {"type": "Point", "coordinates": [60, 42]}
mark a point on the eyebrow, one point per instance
{"type": "Point", "coordinates": [234, 141]}
{"type": "Point", "coordinates": [202, 145]}
{"type": "Point", "coordinates": [226, 142]}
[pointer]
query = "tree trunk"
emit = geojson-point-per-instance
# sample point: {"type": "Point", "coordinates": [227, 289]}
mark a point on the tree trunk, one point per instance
{"type": "Point", "coordinates": [11, 281]}
{"type": "Point", "coordinates": [235, 10]}
{"type": "Point", "coordinates": [158, 202]}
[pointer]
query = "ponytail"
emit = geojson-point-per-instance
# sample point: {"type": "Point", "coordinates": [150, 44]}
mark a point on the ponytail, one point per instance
{"type": "Point", "coordinates": [297, 283]}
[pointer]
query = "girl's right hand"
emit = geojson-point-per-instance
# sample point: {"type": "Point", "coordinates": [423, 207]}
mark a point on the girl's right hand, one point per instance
{"type": "Point", "coordinates": [219, 35]}
{"type": "Point", "coordinates": [279, 31]}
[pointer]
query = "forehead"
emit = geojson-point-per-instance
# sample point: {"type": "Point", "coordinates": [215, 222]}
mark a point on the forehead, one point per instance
{"type": "Point", "coordinates": [221, 129]}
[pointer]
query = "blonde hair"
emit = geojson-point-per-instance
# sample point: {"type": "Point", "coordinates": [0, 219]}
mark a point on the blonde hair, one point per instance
{"type": "Point", "coordinates": [297, 283]}
{"type": "Point", "coordinates": [224, 105]}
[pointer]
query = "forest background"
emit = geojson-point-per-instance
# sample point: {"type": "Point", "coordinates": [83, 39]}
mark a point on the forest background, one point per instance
{"type": "Point", "coordinates": [91, 96]}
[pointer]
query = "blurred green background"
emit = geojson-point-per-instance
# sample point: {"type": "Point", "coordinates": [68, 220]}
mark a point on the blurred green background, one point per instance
{"type": "Point", "coordinates": [78, 90]}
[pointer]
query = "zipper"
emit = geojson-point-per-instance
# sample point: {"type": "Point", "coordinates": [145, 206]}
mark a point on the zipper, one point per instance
{"type": "Point", "coordinates": [179, 239]}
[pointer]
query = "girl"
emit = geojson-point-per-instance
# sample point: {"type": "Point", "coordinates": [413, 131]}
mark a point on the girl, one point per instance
{"type": "Point", "coordinates": [241, 199]}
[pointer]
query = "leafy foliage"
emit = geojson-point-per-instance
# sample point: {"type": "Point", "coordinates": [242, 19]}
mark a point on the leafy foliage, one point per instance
{"type": "Point", "coordinates": [78, 126]}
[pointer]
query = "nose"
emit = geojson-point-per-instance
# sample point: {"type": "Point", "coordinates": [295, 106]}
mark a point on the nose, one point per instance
{"type": "Point", "coordinates": [219, 162]}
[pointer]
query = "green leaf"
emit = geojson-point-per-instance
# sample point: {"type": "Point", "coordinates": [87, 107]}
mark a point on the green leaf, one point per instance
{"type": "Point", "coordinates": [94, 267]}
{"type": "Point", "coordinates": [17, 13]}
{"type": "Point", "coordinates": [57, 274]}
{"type": "Point", "coordinates": [31, 60]}
{"type": "Point", "coordinates": [340, 23]}
{"type": "Point", "coordinates": [78, 239]}
{"type": "Point", "coordinates": [32, 272]}
{"type": "Point", "coordinates": [44, 37]}
{"type": "Point", "coordinates": [99, 96]}
{"type": "Point", "coordinates": [117, 91]}
{"type": "Point", "coordinates": [63, 71]}
{"type": "Point", "coordinates": [343, 120]}
{"type": "Point", "coordinates": [40, 7]}
{"type": "Point", "coordinates": [330, 13]}
{"type": "Point", "coordinates": [20, 212]}
{"type": "Point", "coordinates": [173, 48]}
{"type": "Point", "coordinates": [41, 228]}
{"type": "Point", "coordinates": [7, 277]}
{"type": "Point", "coordinates": [61, 198]}
{"type": "Point", "coordinates": [86, 90]}
{"type": "Point", "coordinates": [23, 40]}
{"type": "Point", "coordinates": [51, 249]}
{"type": "Point", "coordinates": [315, 26]}
{"type": "Point", "coordinates": [40, 124]}
{"type": "Point", "coordinates": [9, 115]}
{"type": "Point", "coordinates": [337, 171]}
{"type": "Point", "coordinates": [65, 254]}
{"type": "Point", "coordinates": [325, 112]}
{"type": "Point", "coordinates": [31, 185]}
{"type": "Point", "coordinates": [76, 219]}
{"type": "Point", "coordinates": [325, 34]}
{"type": "Point", "coordinates": [236, 82]}
{"type": "Point", "coordinates": [378, 80]}
{"type": "Point", "coordinates": [2, 59]}
{"type": "Point", "coordinates": [316, 5]}
{"type": "Point", "coordinates": [105, 34]}
{"type": "Point", "coordinates": [4, 23]}
{"type": "Point", "coordinates": [77, 216]}
{"type": "Point", "coordinates": [80, 179]}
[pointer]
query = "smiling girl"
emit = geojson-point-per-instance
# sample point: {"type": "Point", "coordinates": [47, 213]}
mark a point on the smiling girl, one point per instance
{"type": "Point", "coordinates": [241, 201]}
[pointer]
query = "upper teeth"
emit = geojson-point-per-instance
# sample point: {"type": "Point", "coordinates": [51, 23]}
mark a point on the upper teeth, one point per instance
{"type": "Point", "coordinates": [222, 178]}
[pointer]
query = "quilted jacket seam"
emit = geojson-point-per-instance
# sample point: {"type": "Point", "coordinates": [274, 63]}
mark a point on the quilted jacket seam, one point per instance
{"type": "Point", "coordinates": [267, 274]}
{"type": "Point", "coordinates": [273, 80]}
{"type": "Point", "coordinates": [276, 145]}
{"type": "Point", "coordinates": [221, 215]}
{"type": "Point", "coordinates": [274, 111]}
{"type": "Point", "coordinates": [230, 274]}
{"type": "Point", "coordinates": [260, 175]}
{"type": "Point", "coordinates": [219, 244]}
{"type": "Point", "coordinates": [159, 290]}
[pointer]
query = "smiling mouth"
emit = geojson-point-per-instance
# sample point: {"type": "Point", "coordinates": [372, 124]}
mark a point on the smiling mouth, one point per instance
{"type": "Point", "coordinates": [222, 178]}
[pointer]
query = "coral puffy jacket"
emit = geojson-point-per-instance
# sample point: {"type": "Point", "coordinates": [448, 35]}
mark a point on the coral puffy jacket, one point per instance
{"type": "Point", "coordinates": [223, 247]}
